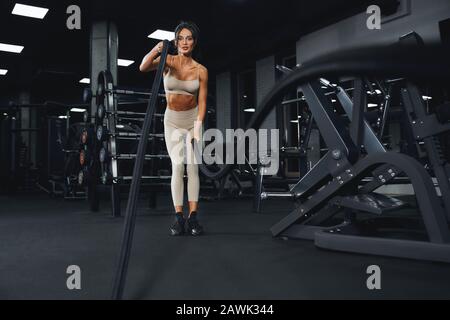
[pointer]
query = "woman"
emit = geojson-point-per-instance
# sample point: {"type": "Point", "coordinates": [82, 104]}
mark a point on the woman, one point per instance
{"type": "Point", "coordinates": [186, 85]}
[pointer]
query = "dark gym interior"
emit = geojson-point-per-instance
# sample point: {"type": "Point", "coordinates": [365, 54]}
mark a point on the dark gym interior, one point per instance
{"type": "Point", "coordinates": [358, 207]}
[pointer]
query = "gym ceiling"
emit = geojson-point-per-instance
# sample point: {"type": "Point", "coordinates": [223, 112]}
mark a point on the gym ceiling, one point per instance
{"type": "Point", "coordinates": [233, 33]}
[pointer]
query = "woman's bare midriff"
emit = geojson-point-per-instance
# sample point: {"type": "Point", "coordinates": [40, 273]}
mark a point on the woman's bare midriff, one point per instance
{"type": "Point", "coordinates": [180, 102]}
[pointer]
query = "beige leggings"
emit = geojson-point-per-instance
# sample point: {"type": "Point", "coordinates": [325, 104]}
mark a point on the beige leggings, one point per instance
{"type": "Point", "coordinates": [177, 124]}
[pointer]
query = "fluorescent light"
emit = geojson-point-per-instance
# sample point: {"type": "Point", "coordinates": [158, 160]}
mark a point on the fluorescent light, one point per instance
{"type": "Point", "coordinates": [372, 105]}
{"type": "Point", "coordinates": [62, 117]}
{"type": "Point", "coordinates": [120, 126]}
{"type": "Point", "coordinates": [124, 62]}
{"type": "Point", "coordinates": [162, 35]}
{"type": "Point", "coordinates": [333, 100]}
{"type": "Point", "coordinates": [10, 48]}
{"type": "Point", "coordinates": [77, 110]}
{"type": "Point", "coordinates": [294, 121]}
{"type": "Point", "coordinates": [378, 91]}
{"type": "Point", "coordinates": [250, 110]}
{"type": "Point", "coordinates": [426, 98]}
{"type": "Point", "coordinates": [29, 11]}
{"type": "Point", "coordinates": [85, 80]}
{"type": "Point", "coordinates": [3, 72]}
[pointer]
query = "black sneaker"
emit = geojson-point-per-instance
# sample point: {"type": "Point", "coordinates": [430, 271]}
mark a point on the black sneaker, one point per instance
{"type": "Point", "coordinates": [177, 229]}
{"type": "Point", "coordinates": [194, 228]}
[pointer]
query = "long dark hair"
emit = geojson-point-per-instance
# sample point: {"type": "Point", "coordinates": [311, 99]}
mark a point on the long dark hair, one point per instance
{"type": "Point", "coordinates": [193, 28]}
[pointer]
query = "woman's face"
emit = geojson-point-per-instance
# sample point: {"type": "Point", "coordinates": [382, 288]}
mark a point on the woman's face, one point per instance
{"type": "Point", "coordinates": [185, 42]}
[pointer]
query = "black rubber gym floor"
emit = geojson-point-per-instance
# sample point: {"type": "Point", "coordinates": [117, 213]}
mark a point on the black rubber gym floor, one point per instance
{"type": "Point", "coordinates": [237, 258]}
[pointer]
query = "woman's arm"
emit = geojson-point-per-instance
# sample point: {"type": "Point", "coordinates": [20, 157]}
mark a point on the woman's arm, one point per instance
{"type": "Point", "coordinates": [151, 60]}
{"type": "Point", "coordinates": [203, 94]}
{"type": "Point", "coordinates": [202, 98]}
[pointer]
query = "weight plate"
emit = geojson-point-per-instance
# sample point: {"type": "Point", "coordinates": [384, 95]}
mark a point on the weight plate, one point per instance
{"type": "Point", "coordinates": [82, 158]}
{"type": "Point", "coordinates": [84, 136]}
{"type": "Point", "coordinates": [85, 116]}
{"type": "Point", "coordinates": [103, 155]}
{"type": "Point", "coordinates": [81, 178]}
{"type": "Point", "coordinates": [100, 131]}
{"type": "Point", "coordinates": [101, 112]}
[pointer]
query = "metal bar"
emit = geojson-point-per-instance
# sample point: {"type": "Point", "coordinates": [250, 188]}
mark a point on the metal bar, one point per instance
{"type": "Point", "coordinates": [283, 69]}
{"type": "Point", "coordinates": [124, 119]}
{"type": "Point", "coordinates": [131, 113]}
{"type": "Point", "coordinates": [395, 80]}
{"type": "Point", "coordinates": [258, 189]}
{"type": "Point", "coordinates": [266, 195]}
{"type": "Point", "coordinates": [293, 101]}
{"type": "Point", "coordinates": [132, 138]}
{"type": "Point", "coordinates": [129, 103]}
{"type": "Point", "coordinates": [371, 143]}
{"type": "Point", "coordinates": [137, 93]}
{"type": "Point", "coordinates": [126, 178]}
{"type": "Point", "coordinates": [303, 98]}
{"type": "Point", "coordinates": [313, 178]}
{"type": "Point", "coordinates": [330, 125]}
{"type": "Point", "coordinates": [387, 106]}
{"type": "Point", "coordinates": [359, 103]}
{"type": "Point", "coordinates": [133, 156]}
{"type": "Point", "coordinates": [132, 134]}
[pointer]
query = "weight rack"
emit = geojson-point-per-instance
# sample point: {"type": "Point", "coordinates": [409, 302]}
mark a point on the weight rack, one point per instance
{"type": "Point", "coordinates": [117, 131]}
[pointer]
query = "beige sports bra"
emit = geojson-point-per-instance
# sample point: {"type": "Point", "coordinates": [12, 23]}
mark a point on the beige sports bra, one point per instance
{"type": "Point", "coordinates": [187, 87]}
